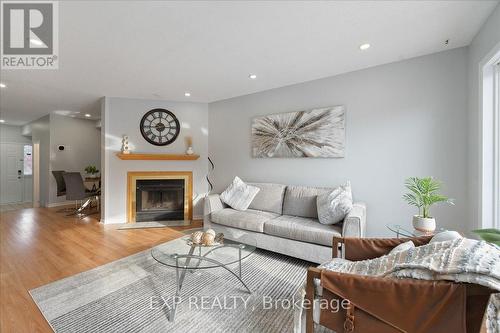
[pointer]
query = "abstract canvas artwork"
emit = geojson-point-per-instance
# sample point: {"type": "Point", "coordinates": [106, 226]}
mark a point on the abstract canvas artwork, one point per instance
{"type": "Point", "coordinates": [311, 133]}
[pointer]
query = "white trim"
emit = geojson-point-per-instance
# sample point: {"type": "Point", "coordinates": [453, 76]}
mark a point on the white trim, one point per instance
{"type": "Point", "coordinates": [496, 152]}
{"type": "Point", "coordinates": [62, 203]}
{"type": "Point", "coordinates": [487, 145]}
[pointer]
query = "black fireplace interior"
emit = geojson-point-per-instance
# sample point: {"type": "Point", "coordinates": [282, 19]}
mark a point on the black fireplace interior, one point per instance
{"type": "Point", "coordinates": [159, 200]}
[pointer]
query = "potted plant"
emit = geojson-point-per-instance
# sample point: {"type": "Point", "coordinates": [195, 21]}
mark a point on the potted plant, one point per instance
{"type": "Point", "coordinates": [423, 194]}
{"type": "Point", "coordinates": [91, 170]}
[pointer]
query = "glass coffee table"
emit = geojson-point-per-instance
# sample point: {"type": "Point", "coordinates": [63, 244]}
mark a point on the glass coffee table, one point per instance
{"type": "Point", "coordinates": [198, 257]}
{"type": "Point", "coordinates": [401, 231]}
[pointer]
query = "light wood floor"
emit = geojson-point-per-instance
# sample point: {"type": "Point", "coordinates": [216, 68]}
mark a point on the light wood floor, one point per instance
{"type": "Point", "coordinates": [15, 206]}
{"type": "Point", "coordinates": [39, 246]}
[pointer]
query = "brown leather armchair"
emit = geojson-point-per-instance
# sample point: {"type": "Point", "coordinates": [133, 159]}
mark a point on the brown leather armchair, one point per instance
{"type": "Point", "coordinates": [378, 304]}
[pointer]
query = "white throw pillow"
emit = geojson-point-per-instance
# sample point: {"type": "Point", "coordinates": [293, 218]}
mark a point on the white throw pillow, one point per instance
{"type": "Point", "coordinates": [239, 195]}
{"type": "Point", "coordinates": [445, 236]}
{"type": "Point", "coordinates": [403, 247]}
{"type": "Point", "coordinates": [335, 205]}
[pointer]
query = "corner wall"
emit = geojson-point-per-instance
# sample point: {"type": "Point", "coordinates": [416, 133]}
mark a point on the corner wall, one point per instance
{"type": "Point", "coordinates": [121, 116]}
{"type": "Point", "coordinates": [402, 119]}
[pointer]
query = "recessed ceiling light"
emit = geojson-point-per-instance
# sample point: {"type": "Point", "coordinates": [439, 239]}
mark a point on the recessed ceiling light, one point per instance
{"type": "Point", "coordinates": [365, 46]}
{"type": "Point", "coordinates": [3, 85]}
{"type": "Point", "coordinates": [36, 42]}
{"type": "Point", "coordinates": [252, 76]}
{"type": "Point", "coordinates": [88, 115]}
{"type": "Point", "coordinates": [187, 94]}
{"type": "Point", "coordinates": [2, 121]}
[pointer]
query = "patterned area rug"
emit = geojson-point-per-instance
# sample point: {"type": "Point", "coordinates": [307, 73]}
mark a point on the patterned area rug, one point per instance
{"type": "Point", "coordinates": [133, 294]}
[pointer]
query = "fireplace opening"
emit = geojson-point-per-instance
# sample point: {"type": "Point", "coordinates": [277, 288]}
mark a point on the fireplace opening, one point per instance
{"type": "Point", "coordinates": [159, 200]}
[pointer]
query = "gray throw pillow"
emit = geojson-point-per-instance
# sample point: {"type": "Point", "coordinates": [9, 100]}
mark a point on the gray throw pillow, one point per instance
{"type": "Point", "coordinates": [239, 195]}
{"type": "Point", "coordinates": [335, 205]}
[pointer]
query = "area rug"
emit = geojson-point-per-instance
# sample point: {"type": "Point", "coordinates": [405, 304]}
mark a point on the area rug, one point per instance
{"type": "Point", "coordinates": [133, 294]}
{"type": "Point", "coordinates": [162, 224]}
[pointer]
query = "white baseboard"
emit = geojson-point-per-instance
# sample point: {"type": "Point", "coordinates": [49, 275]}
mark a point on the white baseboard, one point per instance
{"type": "Point", "coordinates": [62, 203]}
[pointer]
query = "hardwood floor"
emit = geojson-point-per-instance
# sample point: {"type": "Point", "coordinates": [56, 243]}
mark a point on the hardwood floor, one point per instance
{"type": "Point", "coordinates": [39, 246]}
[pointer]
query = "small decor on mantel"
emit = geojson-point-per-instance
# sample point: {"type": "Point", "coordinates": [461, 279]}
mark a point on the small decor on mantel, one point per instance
{"type": "Point", "coordinates": [125, 147]}
{"type": "Point", "coordinates": [189, 143]}
{"type": "Point", "coordinates": [423, 194]}
{"type": "Point", "coordinates": [207, 238]}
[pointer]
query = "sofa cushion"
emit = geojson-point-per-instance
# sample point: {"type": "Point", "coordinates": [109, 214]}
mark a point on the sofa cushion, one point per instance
{"type": "Point", "coordinates": [301, 201]}
{"type": "Point", "coordinates": [335, 205]}
{"type": "Point", "coordinates": [252, 220]}
{"type": "Point", "coordinates": [302, 229]}
{"type": "Point", "coordinates": [239, 195]}
{"type": "Point", "coordinates": [269, 198]}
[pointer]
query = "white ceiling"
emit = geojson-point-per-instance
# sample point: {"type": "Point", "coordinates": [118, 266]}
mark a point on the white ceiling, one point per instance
{"type": "Point", "coordinates": [159, 50]}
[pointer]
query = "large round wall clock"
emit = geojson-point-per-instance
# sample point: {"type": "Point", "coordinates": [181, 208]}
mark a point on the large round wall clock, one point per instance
{"type": "Point", "coordinates": [160, 127]}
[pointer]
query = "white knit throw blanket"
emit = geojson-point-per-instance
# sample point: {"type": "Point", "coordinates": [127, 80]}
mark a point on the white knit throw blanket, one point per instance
{"type": "Point", "coordinates": [459, 260]}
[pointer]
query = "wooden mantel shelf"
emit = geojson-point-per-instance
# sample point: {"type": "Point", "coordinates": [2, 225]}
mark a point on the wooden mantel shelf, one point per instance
{"type": "Point", "coordinates": [163, 157]}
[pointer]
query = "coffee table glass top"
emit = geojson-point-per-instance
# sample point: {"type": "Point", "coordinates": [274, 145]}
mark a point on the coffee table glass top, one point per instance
{"type": "Point", "coordinates": [183, 255]}
{"type": "Point", "coordinates": [407, 232]}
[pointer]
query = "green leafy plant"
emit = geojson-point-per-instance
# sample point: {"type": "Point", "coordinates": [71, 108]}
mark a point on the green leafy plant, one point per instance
{"type": "Point", "coordinates": [423, 194]}
{"type": "Point", "coordinates": [91, 170]}
{"type": "Point", "coordinates": [489, 235]}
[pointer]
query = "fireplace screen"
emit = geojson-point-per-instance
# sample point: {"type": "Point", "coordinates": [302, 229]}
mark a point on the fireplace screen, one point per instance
{"type": "Point", "coordinates": [159, 200]}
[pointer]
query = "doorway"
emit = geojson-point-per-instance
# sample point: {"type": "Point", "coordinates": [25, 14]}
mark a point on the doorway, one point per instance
{"type": "Point", "coordinates": [16, 176]}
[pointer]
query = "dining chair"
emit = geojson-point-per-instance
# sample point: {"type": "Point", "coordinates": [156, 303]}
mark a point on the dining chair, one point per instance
{"type": "Point", "coordinates": [61, 188]}
{"type": "Point", "coordinates": [75, 190]}
{"type": "Point", "coordinates": [61, 185]}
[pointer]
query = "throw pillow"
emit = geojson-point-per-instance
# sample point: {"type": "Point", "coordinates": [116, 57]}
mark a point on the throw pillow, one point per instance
{"type": "Point", "coordinates": [403, 247]}
{"type": "Point", "coordinates": [335, 205]}
{"type": "Point", "coordinates": [239, 195]}
{"type": "Point", "coordinates": [445, 236]}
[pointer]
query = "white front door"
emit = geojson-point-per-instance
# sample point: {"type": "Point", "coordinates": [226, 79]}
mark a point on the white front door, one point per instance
{"type": "Point", "coordinates": [11, 173]}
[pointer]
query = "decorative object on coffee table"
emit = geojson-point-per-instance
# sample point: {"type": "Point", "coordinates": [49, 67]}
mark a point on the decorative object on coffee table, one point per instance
{"type": "Point", "coordinates": [200, 257]}
{"type": "Point", "coordinates": [196, 237]}
{"type": "Point", "coordinates": [207, 238]}
{"type": "Point", "coordinates": [312, 133]}
{"type": "Point", "coordinates": [423, 194]}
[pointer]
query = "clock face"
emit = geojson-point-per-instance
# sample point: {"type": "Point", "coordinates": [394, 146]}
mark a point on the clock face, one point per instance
{"type": "Point", "coordinates": [160, 127]}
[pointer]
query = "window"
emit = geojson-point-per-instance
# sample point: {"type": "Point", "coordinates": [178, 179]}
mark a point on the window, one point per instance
{"type": "Point", "coordinates": [28, 160]}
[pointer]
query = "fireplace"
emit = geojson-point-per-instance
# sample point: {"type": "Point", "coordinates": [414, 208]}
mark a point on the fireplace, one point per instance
{"type": "Point", "coordinates": [159, 196]}
{"type": "Point", "coordinates": [159, 200]}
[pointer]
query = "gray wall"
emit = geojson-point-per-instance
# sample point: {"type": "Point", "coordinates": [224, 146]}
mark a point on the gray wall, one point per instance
{"type": "Point", "coordinates": [403, 119]}
{"type": "Point", "coordinates": [121, 116]}
{"type": "Point", "coordinates": [83, 147]}
{"type": "Point", "coordinates": [12, 134]}
{"type": "Point", "coordinates": [486, 41]}
{"type": "Point", "coordinates": [40, 132]}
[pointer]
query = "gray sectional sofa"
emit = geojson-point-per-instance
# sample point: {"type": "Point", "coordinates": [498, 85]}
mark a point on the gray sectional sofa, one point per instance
{"type": "Point", "coordinates": [283, 219]}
